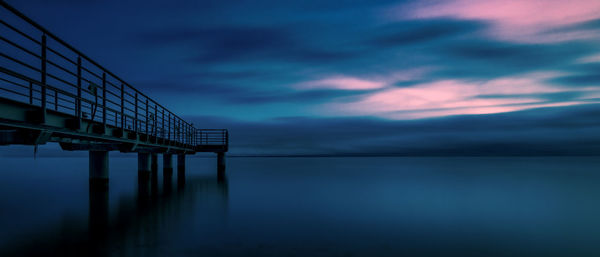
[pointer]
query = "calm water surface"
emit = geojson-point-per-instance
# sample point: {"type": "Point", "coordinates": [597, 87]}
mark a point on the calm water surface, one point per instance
{"type": "Point", "coordinates": [305, 207]}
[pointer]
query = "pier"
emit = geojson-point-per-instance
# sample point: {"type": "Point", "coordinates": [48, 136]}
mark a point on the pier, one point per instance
{"type": "Point", "coordinates": [52, 92]}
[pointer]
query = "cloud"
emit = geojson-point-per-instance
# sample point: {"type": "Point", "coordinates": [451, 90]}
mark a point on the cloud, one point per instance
{"type": "Point", "coordinates": [342, 82]}
{"type": "Point", "coordinates": [402, 33]}
{"type": "Point", "coordinates": [477, 58]}
{"type": "Point", "coordinates": [455, 97]}
{"type": "Point", "coordinates": [232, 43]}
{"type": "Point", "coordinates": [513, 20]}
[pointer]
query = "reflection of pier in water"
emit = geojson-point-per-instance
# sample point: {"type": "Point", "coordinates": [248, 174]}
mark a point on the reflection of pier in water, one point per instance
{"type": "Point", "coordinates": [136, 224]}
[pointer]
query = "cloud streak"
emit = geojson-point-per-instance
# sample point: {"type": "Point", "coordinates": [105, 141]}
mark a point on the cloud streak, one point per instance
{"type": "Point", "coordinates": [525, 20]}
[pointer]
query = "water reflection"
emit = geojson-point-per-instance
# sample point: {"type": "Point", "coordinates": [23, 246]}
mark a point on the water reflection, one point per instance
{"type": "Point", "coordinates": [135, 225]}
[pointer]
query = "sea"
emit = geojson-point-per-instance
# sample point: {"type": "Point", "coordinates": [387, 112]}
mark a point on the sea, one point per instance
{"type": "Point", "coordinates": [304, 206]}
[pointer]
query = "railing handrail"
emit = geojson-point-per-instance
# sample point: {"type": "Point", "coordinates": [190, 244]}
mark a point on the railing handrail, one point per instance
{"type": "Point", "coordinates": [70, 47]}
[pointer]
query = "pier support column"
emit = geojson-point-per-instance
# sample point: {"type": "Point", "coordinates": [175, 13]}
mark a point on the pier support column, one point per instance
{"type": "Point", "coordinates": [98, 169]}
{"type": "Point", "coordinates": [144, 170]}
{"type": "Point", "coordinates": [167, 163]}
{"type": "Point", "coordinates": [180, 170]}
{"type": "Point", "coordinates": [181, 163]}
{"type": "Point", "coordinates": [221, 162]}
{"type": "Point", "coordinates": [167, 173]}
{"type": "Point", "coordinates": [154, 162]}
{"type": "Point", "coordinates": [144, 164]}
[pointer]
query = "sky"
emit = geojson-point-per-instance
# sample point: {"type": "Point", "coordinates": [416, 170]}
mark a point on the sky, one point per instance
{"type": "Point", "coordinates": [436, 77]}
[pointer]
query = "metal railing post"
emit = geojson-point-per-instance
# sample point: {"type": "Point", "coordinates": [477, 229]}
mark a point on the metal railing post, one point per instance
{"type": "Point", "coordinates": [43, 78]}
{"type": "Point", "coordinates": [123, 107]}
{"type": "Point", "coordinates": [146, 131]}
{"type": "Point", "coordinates": [104, 99]}
{"type": "Point", "coordinates": [30, 92]}
{"type": "Point", "coordinates": [136, 112]}
{"type": "Point", "coordinates": [78, 107]}
{"type": "Point", "coordinates": [162, 131]}
{"type": "Point", "coordinates": [155, 121]}
{"type": "Point", "coordinates": [169, 126]}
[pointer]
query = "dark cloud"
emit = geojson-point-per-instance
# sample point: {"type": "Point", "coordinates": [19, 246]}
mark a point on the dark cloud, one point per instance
{"type": "Point", "coordinates": [422, 32]}
{"type": "Point", "coordinates": [580, 80]}
{"type": "Point", "coordinates": [550, 97]}
{"type": "Point", "coordinates": [586, 74]}
{"type": "Point", "coordinates": [236, 94]}
{"type": "Point", "coordinates": [488, 59]}
{"type": "Point", "coordinates": [235, 43]}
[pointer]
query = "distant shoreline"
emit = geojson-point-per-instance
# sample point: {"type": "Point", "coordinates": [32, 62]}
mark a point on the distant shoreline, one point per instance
{"type": "Point", "coordinates": [328, 156]}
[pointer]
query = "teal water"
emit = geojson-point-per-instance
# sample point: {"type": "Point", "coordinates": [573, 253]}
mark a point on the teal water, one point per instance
{"type": "Point", "coordinates": [496, 206]}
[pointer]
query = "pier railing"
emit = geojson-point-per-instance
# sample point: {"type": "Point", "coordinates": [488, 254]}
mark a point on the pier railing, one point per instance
{"type": "Point", "coordinates": [40, 69]}
{"type": "Point", "coordinates": [212, 137]}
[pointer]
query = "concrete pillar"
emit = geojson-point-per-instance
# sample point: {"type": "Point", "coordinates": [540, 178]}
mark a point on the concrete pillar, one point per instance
{"type": "Point", "coordinates": [180, 170]}
{"type": "Point", "coordinates": [221, 162]}
{"type": "Point", "coordinates": [181, 162]}
{"type": "Point", "coordinates": [167, 178]}
{"type": "Point", "coordinates": [98, 169]}
{"type": "Point", "coordinates": [154, 161]}
{"type": "Point", "coordinates": [144, 164]}
{"type": "Point", "coordinates": [144, 171]}
{"type": "Point", "coordinates": [167, 163]}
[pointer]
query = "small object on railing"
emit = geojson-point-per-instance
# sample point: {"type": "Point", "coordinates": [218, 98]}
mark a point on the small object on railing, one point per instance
{"type": "Point", "coordinates": [93, 89]}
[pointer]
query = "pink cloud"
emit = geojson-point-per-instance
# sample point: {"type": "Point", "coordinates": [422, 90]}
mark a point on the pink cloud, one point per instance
{"type": "Point", "coordinates": [353, 83]}
{"type": "Point", "coordinates": [589, 59]}
{"type": "Point", "coordinates": [342, 82]}
{"type": "Point", "coordinates": [453, 97]}
{"type": "Point", "coordinates": [521, 20]}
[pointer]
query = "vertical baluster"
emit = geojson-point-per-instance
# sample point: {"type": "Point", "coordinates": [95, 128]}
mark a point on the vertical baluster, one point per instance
{"type": "Point", "coordinates": [104, 99]}
{"type": "Point", "coordinates": [30, 92]}
{"type": "Point", "coordinates": [162, 131]}
{"type": "Point", "coordinates": [123, 107]}
{"type": "Point", "coordinates": [155, 120]}
{"type": "Point", "coordinates": [147, 134]}
{"type": "Point", "coordinates": [169, 126]}
{"type": "Point", "coordinates": [78, 107]}
{"type": "Point", "coordinates": [43, 78]}
{"type": "Point", "coordinates": [135, 122]}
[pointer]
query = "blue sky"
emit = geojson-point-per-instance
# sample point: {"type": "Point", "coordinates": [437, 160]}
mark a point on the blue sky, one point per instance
{"type": "Point", "coordinates": [373, 70]}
